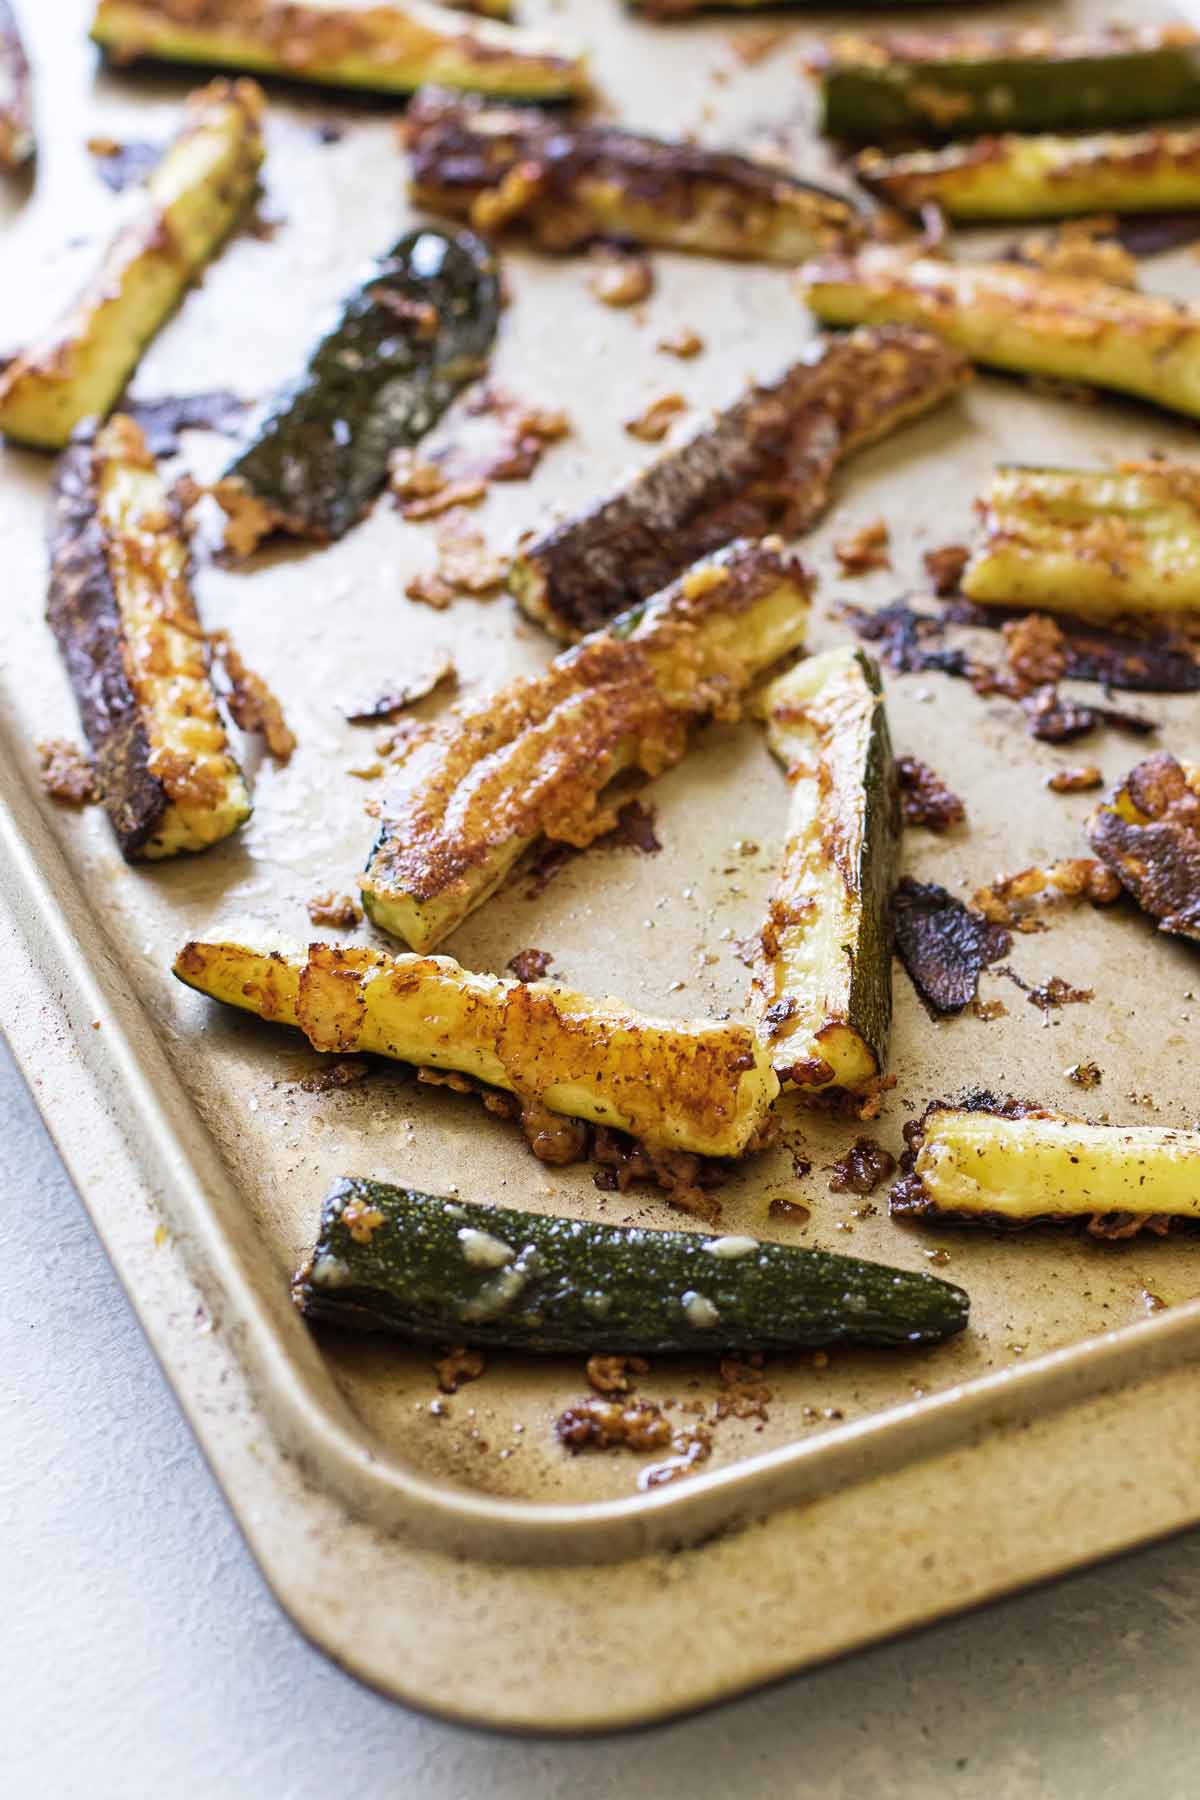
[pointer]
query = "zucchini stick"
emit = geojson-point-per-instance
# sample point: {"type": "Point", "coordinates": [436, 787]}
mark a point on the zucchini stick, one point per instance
{"type": "Point", "coordinates": [386, 46]}
{"type": "Point", "coordinates": [188, 205]}
{"type": "Point", "coordinates": [1099, 542]}
{"type": "Point", "coordinates": [822, 978]}
{"type": "Point", "coordinates": [1005, 1166]}
{"type": "Point", "coordinates": [1023, 78]}
{"type": "Point", "coordinates": [16, 108]}
{"type": "Point", "coordinates": [763, 465]}
{"type": "Point", "coordinates": [1148, 833]}
{"type": "Point", "coordinates": [534, 759]}
{"type": "Point", "coordinates": [407, 339]}
{"type": "Point", "coordinates": [121, 608]}
{"type": "Point", "coordinates": [437, 1271]}
{"type": "Point", "coordinates": [1011, 317]}
{"type": "Point", "coordinates": [1045, 177]}
{"type": "Point", "coordinates": [699, 1086]}
{"type": "Point", "coordinates": [565, 184]}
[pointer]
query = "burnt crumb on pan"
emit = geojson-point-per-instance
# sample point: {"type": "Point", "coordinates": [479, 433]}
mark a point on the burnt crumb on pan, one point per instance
{"type": "Point", "coordinates": [66, 772]}
{"type": "Point", "coordinates": [458, 1366]}
{"type": "Point", "coordinates": [863, 1167]}
{"type": "Point", "coordinates": [1085, 1074]}
{"type": "Point", "coordinates": [943, 944]}
{"type": "Point", "coordinates": [123, 165]}
{"type": "Point", "coordinates": [1034, 646]}
{"type": "Point", "coordinates": [1079, 780]}
{"type": "Point", "coordinates": [793, 1211]}
{"type": "Point", "coordinates": [251, 703]}
{"type": "Point", "coordinates": [908, 642]}
{"type": "Point", "coordinates": [346, 1072]}
{"type": "Point", "coordinates": [599, 1422]}
{"type": "Point", "coordinates": [1146, 663]}
{"type": "Point", "coordinates": [924, 797]}
{"type": "Point", "coordinates": [529, 965]}
{"type": "Point", "coordinates": [864, 549]}
{"type": "Point", "coordinates": [1054, 720]}
{"type": "Point", "coordinates": [1003, 900]}
{"type": "Point", "coordinates": [390, 700]}
{"type": "Point", "coordinates": [163, 419]}
{"type": "Point", "coordinates": [944, 567]}
{"type": "Point", "coordinates": [744, 1393]}
{"type": "Point", "coordinates": [620, 278]}
{"type": "Point", "coordinates": [611, 1375]}
{"type": "Point", "coordinates": [635, 829]}
{"type": "Point", "coordinates": [652, 424]}
{"type": "Point", "coordinates": [687, 1180]}
{"type": "Point", "coordinates": [1148, 834]}
{"type": "Point", "coordinates": [1048, 995]}
{"type": "Point", "coordinates": [336, 910]}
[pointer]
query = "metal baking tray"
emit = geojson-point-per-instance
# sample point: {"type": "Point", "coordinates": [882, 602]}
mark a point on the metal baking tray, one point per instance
{"type": "Point", "coordinates": [462, 1561]}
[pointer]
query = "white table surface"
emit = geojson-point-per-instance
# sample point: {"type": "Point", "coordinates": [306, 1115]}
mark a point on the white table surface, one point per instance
{"type": "Point", "coordinates": [141, 1655]}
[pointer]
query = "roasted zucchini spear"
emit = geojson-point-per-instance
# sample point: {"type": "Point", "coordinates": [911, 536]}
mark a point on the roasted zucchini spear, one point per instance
{"type": "Point", "coordinates": [565, 184]}
{"type": "Point", "coordinates": [404, 343]}
{"type": "Point", "coordinates": [763, 465]}
{"type": "Point", "coordinates": [1148, 832]}
{"type": "Point", "coordinates": [823, 959]}
{"type": "Point", "coordinates": [1014, 177]}
{"type": "Point", "coordinates": [1004, 1165]}
{"type": "Point", "coordinates": [392, 47]}
{"type": "Point", "coordinates": [121, 608]}
{"type": "Point", "coordinates": [1093, 541]}
{"type": "Point", "coordinates": [1012, 317]}
{"type": "Point", "coordinates": [1023, 78]}
{"type": "Point", "coordinates": [535, 758]}
{"type": "Point", "coordinates": [436, 1271]}
{"type": "Point", "coordinates": [699, 1086]}
{"type": "Point", "coordinates": [188, 205]}
{"type": "Point", "coordinates": [16, 110]}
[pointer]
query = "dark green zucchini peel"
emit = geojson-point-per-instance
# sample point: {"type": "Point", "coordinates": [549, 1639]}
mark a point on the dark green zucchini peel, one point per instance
{"type": "Point", "coordinates": [405, 342]}
{"type": "Point", "coordinates": [444, 1271]}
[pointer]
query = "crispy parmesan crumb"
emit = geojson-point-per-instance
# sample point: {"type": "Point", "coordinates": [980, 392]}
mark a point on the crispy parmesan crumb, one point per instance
{"type": "Point", "coordinates": [1085, 1074]}
{"type": "Point", "coordinates": [347, 1071]}
{"type": "Point", "coordinates": [529, 965]}
{"type": "Point", "coordinates": [862, 1168]}
{"type": "Point", "coordinates": [682, 342]}
{"type": "Point", "coordinates": [924, 797]}
{"type": "Point", "coordinates": [458, 1366]}
{"type": "Point", "coordinates": [1083, 248]}
{"type": "Point", "coordinates": [250, 701]}
{"type": "Point", "coordinates": [744, 1394]}
{"type": "Point", "coordinates": [601, 1423]}
{"type": "Point", "coordinates": [864, 549]}
{"type": "Point", "coordinates": [465, 564]}
{"type": "Point", "coordinates": [653, 424]}
{"type": "Point", "coordinates": [337, 910]}
{"type": "Point", "coordinates": [66, 772]}
{"type": "Point", "coordinates": [987, 1010]}
{"type": "Point", "coordinates": [614, 1374]}
{"type": "Point", "coordinates": [1075, 781]}
{"type": "Point", "coordinates": [1074, 878]}
{"type": "Point", "coordinates": [944, 567]}
{"type": "Point", "coordinates": [621, 279]}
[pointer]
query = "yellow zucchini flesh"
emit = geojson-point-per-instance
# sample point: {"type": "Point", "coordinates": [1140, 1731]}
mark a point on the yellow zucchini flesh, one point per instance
{"type": "Point", "coordinates": [179, 217]}
{"type": "Point", "coordinates": [1100, 542]}
{"type": "Point", "coordinates": [390, 48]}
{"type": "Point", "coordinates": [822, 979]}
{"type": "Point", "coordinates": [1043, 177]}
{"type": "Point", "coordinates": [1043, 1167]}
{"type": "Point", "coordinates": [535, 759]}
{"type": "Point", "coordinates": [122, 610]}
{"type": "Point", "coordinates": [704, 1087]}
{"type": "Point", "coordinates": [1008, 316]}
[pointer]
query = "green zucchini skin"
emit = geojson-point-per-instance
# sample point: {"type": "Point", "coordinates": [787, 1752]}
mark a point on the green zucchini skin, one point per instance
{"type": "Point", "coordinates": [442, 1271]}
{"type": "Point", "coordinates": [377, 381]}
{"type": "Point", "coordinates": [921, 88]}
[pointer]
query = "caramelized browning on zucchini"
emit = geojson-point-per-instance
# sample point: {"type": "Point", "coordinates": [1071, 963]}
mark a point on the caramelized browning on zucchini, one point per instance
{"type": "Point", "coordinates": [566, 184]}
{"type": "Point", "coordinates": [1007, 1165]}
{"type": "Point", "coordinates": [823, 959]}
{"type": "Point", "coordinates": [1019, 78]}
{"type": "Point", "coordinates": [1047, 177]}
{"type": "Point", "coordinates": [391, 46]}
{"type": "Point", "coordinates": [763, 465]}
{"type": "Point", "coordinates": [188, 205]}
{"type": "Point", "coordinates": [703, 1087]}
{"type": "Point", "coordinates": [1148, 832]}
{"type": "Point", "coordinates": [404, 343]}
{"type": "Point", "coordinates": [122, 610]}
{"type": "Point", "coordinates": [1092, 541]}
{"type": "Point", "coordinates": [16, 110]}
{"type": "Point", "coordinates": [534, 759]}
{"type": "Point", "coordinates": [1012, 317]}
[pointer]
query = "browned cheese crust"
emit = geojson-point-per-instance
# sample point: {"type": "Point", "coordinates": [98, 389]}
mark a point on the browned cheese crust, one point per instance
{"type": "Point", "coordinates": [1156, 854]}
{"type": "Point", "coordinates": [763, 465]}
{"type": "Point", "coordinates": [85, 617]}
{"type": "Point", "coordinates": [489, 773]}
{"type": "Point", "coordinates": [566, 183]}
